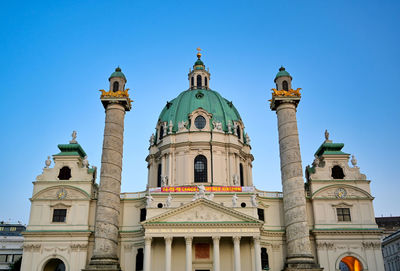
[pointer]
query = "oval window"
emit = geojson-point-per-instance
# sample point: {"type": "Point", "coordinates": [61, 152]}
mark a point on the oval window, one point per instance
{"type": "Point", "coordinates": [200, 122]}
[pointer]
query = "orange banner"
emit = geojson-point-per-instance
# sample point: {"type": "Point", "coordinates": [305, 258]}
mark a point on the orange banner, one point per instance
{"type": "Point", "coordinates": [195, 188]}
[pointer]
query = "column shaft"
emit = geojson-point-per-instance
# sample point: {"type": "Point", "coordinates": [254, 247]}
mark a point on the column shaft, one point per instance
{"type": "Point", "coordinates": [236, 249]}
{"type": "Point", "coordinates": [257, 254]}
{"type": "Point", "coordinates": [188, 253]}
{"type": "Point", "coordinates": [168, 242]}
{"type": "Point", "coordinates": [216, 253]}
{"type": "Point", "coordinates": [147, 254]}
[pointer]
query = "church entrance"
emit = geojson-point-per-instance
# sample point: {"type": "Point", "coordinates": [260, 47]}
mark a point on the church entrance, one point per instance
{"type": "Point", "coordinates": [54, 265]}
{"type": "Point", "coordinates": [350, 263]}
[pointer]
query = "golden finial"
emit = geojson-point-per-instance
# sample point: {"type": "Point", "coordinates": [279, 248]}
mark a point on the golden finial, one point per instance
{"type": "Point", "coordinates": [198, 52]}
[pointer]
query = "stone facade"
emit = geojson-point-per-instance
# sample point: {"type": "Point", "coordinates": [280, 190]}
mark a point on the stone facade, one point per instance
{"type": "Point", "coordinates": [391, 251]}
{"type": "Point", "coordinates": [217, 222]}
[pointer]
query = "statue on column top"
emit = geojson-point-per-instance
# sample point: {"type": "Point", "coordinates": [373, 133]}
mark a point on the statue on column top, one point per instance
{"type": "Point", "coordinates": [48, 162]}
{"type": "Point", "coordinates": [326, 135]}
{"type": "Point", "coordinates": [73, 141]}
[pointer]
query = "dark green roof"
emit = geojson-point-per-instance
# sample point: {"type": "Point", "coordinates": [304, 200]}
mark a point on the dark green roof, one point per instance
{"type": "Point", "coordinates": [70, 150]}
{"type": "Point", "coordinates": [330, 148]}
{"type": "Point", "coordinates": [117, 73]}
{"type": "Point", "coordinates": [211, 101]}
{"type": "Point", "coordinates": [282, 72]}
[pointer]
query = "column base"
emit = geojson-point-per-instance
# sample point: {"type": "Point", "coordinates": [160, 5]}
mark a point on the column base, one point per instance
{"type": "Point", "coordinates": [302, 267]}
{"type": "Point", "coordinates": [103, 264]}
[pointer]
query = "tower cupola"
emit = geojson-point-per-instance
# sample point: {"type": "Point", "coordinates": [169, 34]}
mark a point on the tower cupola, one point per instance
{"type": "Point", "coordinates": [117, 80]}
{"type": "Point", "coordinates": [199, 77]}
{"type": "Point", "coordinates": [283, 80]}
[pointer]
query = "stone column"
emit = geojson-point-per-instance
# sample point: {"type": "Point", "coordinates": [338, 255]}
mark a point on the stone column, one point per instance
{"type": "Point", "coordinates": [105, 253]}
{"type": "Point", "coordinates": [216, 252]}
{"type": "Point", "coordinates": [168, 242]}
{"type": "Point", "coordinates": [257, 253]}
{"type": "Point", "coordinates": [188, 253]}
{"type": "Point", "coordinates": [147, 254]}
{"type": "Point", "coordinates": [236, 249]}
{"type": "Point", "coordinates": [294, 202]}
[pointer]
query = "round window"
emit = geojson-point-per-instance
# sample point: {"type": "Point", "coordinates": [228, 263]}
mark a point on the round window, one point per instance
{"type": "Point", "coordinates": [200, 122]}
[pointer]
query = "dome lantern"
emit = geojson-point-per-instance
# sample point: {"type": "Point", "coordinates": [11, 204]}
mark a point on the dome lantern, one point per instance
{"type": "Point", "coordinates": [199, 78]}
{"type": "Point", "coordinates": [283, 80]}
{"type": "Point", "coordinates": [117, 80]}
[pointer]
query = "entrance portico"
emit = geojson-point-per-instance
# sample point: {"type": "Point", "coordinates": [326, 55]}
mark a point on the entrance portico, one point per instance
{"type": "Point", "coordinates": [201, 233]}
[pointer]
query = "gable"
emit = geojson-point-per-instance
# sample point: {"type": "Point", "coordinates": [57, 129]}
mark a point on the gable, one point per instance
{"type": "Point", "coordinates": [71, 192]}
{"type": "Point", "coordinates": [352, 192]}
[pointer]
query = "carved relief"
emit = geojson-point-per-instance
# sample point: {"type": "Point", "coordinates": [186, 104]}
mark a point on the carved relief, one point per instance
{"type": "Point", "coordinates": [201, 214]}
{"type": "Point", "coordinates": [53, 193]}
{"type": "Point", "coordinates": [351, 193]}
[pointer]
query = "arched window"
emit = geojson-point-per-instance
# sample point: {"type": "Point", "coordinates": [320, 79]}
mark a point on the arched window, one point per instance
{"type": "Point", "coordinates": [200, 169]}
{"type": "Point", "coordinates": [159, 176]}
{"type": "Point", "coordinates": [238, 131]}
{"type": "Point", "coordinates": [199, 81]}
{"type": "Point", "coordinates": [115, 86]}
{"type": "Point", "coordinates": [285, 85]}
{"type": "Point", "coordinates": [264, 259]}
{"type": "Point", "coordinates": [192, 81]}
{"type": "Point", "coordinates": [65, 173]}
{"type": "Point", "coordinates": [350, 263]}
{"type": "Point", "coordinates": [161, 131]}
{"type": "Point", "coordinates": [54, 265]}
{"type": "Point", "coordinates": [205, 81]}
{"type": "Point", "coordinates": [139, 260]}
{"type": "Point", "coordinates": [337, 172]}
{"type": "Point", "coordinates": [241, 174]}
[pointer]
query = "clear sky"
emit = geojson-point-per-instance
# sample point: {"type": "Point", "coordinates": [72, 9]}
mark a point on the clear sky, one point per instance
{"type": "Point", "coordinates": [56, 55]}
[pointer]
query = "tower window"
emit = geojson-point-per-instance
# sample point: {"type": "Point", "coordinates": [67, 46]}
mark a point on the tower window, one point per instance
{"type": "Point", "coordinates": [115, 86]}
{"type": "Point", "coordinates": [161, 132]}
{"type": "Point", "coordinates": [285, 85]}
{"type": "Point", "coordinates": [337, 172]}
{"type": "Point", "coordinates": [264, 259]}
{"type": "Point", "coordinates": [241, 174]}
{"type": "Point", "coordinates": [143, 214]}
{"type": "Point", "coordinates": [260, 213]}
{"type": "Point", "coordinates": [159, 176]}
{"type": "Point", "coordinates": [139, 260]}
{"type": "Point", "coordinates": [65, 173]}
{"type": "Point", "coordinates": [343, 214]}
{"type": "Point", "coordinates": [238, 131]}
{"type": "Point", "coordinates": [59, 215]}
{"type": "Point", "coordinates": [200, 169]}
{"type": "Point", "coordinates": [200, 122]}
{"type": "Point", "coordinates": [205, 81]}
{"type": "Point", "coordinates": [199, 81]}
{"type": "Point", "coordinates": [192, 81]}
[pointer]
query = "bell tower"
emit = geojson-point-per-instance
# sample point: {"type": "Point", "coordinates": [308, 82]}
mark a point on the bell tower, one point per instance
{"type": "Point", "coordinates": [199, 77]}
{"type": "Point", "coordinates": [117, 80]}
{"type": "Point", "coordinates": [284, 101]}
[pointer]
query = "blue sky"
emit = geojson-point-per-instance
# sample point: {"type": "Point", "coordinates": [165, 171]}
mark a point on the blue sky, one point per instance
{"type": "Point", "coordinates": [56, 55]}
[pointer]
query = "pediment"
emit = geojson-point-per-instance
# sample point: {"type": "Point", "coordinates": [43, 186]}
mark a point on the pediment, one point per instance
{"type": "Point", "coordinates": [70, 193]}
{"type": "Point", "coordinates": [203, 211]}
{"type": "Point", "coordinates": [351, 192]}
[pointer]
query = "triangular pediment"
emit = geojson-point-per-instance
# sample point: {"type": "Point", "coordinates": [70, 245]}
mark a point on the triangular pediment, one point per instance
{"type": "Point", "coordinates": [203, 211]}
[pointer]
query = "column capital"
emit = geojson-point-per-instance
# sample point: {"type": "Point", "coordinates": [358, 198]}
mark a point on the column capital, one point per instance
{"type": "Point", "coordinates": [168, 239]}
{"type": "Point", "coordinates": [236, 238]}
{"type": "Point", "coordinates": [256, 239]}
{"type": "Point", "coordinates": [188, 239]}
{"type": "Point", "coordinates": [147, 239]}
{"type": "Point", "coordinates": [216, 238]}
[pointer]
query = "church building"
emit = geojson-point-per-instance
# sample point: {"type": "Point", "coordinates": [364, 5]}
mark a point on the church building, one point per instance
{"type": "Point", "coordinates": [201, 211]}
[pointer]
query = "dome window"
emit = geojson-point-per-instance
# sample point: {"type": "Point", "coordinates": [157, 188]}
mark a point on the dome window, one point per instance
{"type": "Point", "coordinates": [115, 86]}
{"type": "Point", "coordinates": [199, 81]}
{"type": "Point", "coordinates": [65, 173]}
{"type": "Point", "coordinates": [192, 81]}
{"type": "Point", "coordinates": [285, 85]}
{"type": "Point", "coordinates": [337, 172]}
{"type": "Point", "coordinates": [241, 174]}
{"type": "Point", "coordinates": [205, 82]}
{"type": "Point", "coordinates": [161, 132]}
{"type": "Point", "coordinates": [200, 169]}
{"type": "Point", "coordinates": [238, 131]}
{"type": "Point", "coordinates": [159, 176]}
{"type": "Point", "coordinates": [200, 122]}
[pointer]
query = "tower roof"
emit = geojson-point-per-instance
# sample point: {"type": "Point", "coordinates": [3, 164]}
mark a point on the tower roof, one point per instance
{"type": "Point", "coordinates": [117, 73]}
{"type": "Point", "coordinates": [282, 72]}
{"type": "Point", "coordinates": [179, 108]}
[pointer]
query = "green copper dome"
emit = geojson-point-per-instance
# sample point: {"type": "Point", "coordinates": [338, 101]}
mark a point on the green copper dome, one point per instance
{"type": "Point", "coordinates": [117, 73]}
{"type": "Point", "coordinates": [179, 108]}
{"type": "Point", "coordinates": [282, 72]}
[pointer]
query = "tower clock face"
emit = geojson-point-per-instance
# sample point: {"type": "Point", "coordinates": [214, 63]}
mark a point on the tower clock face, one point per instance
{"type": "Point", "coordinates": [340, 193]}
{"type": "Point", "coordinates": [61, 194]}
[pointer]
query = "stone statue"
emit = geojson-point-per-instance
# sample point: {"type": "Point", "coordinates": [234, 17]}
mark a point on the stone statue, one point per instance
{"type": "Point", "coordinates": [168, 201]}
{"type": "Point", "coordinates": [254, 200]}
{"type": "Point", "coordinates": [47, 162]}
{"type": "Point", "coordinates": [164, 181]}
{"type": "Point", "coordinates": [73, 141]}
{"type": "Point", "coordinates": [229, 127]}
{"type": "Point", "coordinates": [316, 161]}
{"type": "Point", "coordinates": [326, 135]}
{"type": "Point", "coordinates": [235, 128]}
{"type": "Point", "coordinates": [217, 126]}
{"type": "Point", "coordinates": [196, 196]}
{"type": "Point", "coordinates": [247, 139]}
{"type": "Point", "coordinates": [170, 126]}
{"type": "Point", "coordinates": [149, 199]}
{"type": "Point", "coordinates": [234, 200]}
{"type": "Point", "coordinates": [151, 140]}
{"type": "Point", "coordinates": [211, 196]}
{"type": "Point", "coordinates": [202, 191]}
{"type": "Point", "coordinates": [165, 128]}
{"type": "Point", "coordinates": [235, 180]}
{"type": "Point", "coordinates": [85, 162]}
{"type": "Point", "coordinates": [182, 126]}
{"type": "Point", "coordinates": [353, 161]}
